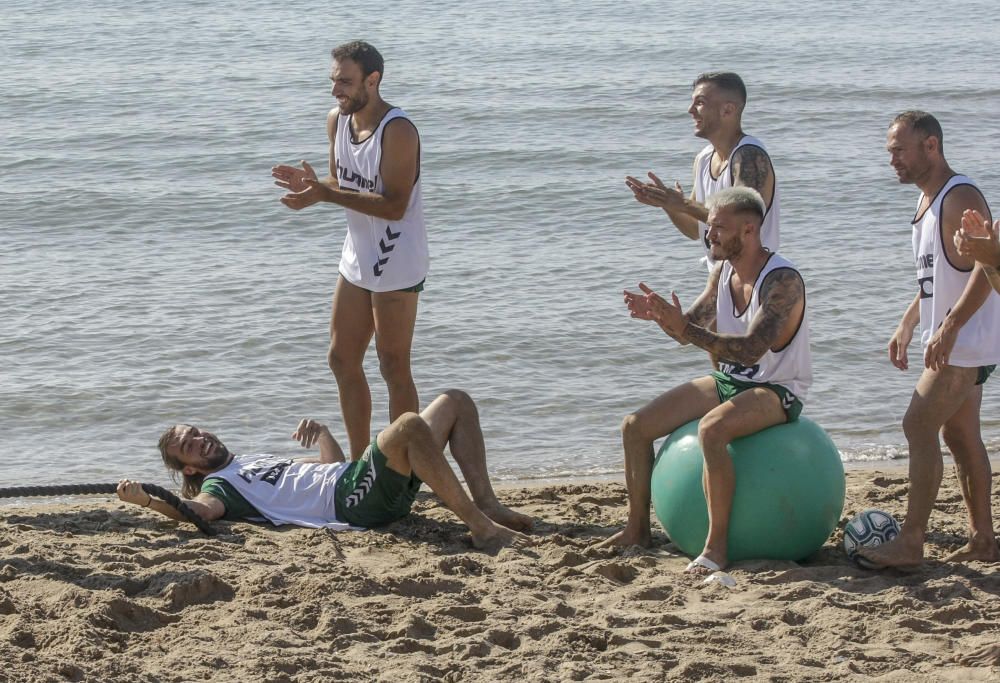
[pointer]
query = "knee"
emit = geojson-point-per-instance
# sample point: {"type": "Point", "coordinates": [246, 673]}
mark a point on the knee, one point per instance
{"type": "Point", "coordinates": [632, 428]}
{"type": "Point", "coordinates": [960, 440]}
{"type": "Point", "coordinates": [918, 425]}
{"type": "Point", "coordinates": [395, 439]}
{"type": "Point", "coordinates": [713, 436]}
{"type": "Point", "coordinates": [459, 401]}
{"type": "Point", "coordinates": [394, 366]}
{"type": "Point", "coordinates": [409, 425]}
{"type": "Point", "coordinates": [342, 363]}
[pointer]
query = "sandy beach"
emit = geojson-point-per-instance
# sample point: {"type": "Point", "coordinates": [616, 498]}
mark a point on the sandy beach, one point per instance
{"type": "Point", "coordinates": [107, 592]}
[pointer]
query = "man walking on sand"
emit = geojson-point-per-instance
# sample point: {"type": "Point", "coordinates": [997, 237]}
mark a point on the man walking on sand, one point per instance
{"type": "Point", "coordinates": [372, 491]}
{"type": "Point", "coordinates": [375, 176]}
{"type": "Point", "coordinates": [752, 316]}
{"type": "Point", "coordinates": [959, 315]}
{"type": "Point", "coordinates": [731, 159]}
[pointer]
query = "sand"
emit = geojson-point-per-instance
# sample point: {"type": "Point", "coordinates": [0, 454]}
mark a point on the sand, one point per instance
{"type": "Point", "coordinates": [104, 591]}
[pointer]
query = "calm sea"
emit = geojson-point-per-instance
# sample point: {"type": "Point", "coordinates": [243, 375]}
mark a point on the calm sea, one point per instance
{"type": "Point", "coordinates": [148, 273]}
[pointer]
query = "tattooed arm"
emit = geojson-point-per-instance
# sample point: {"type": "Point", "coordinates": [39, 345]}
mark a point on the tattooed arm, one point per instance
{"type": "Point", "coordinates": [702, 311]}
{"type": "Point", "coordinates": [782, 301]}
{"type": "Point", "coordinates": [752, 168]}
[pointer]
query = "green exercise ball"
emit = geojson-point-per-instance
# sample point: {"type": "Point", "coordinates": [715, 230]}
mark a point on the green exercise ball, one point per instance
{"type": "Point", "coordinates": [789, 491]}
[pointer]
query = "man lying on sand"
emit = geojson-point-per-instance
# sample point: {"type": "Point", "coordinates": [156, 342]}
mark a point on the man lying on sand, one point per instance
{"type": "Point", "coordinates": [376, 489]}
{"type": "Point", "coordinates": [752, 316]}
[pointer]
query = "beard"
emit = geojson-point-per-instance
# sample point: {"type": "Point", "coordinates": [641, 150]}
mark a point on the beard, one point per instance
{"type": "Point", "coordinates": [354, 104]}
{"type": "Point", "coordinates": [727, 251]}
{"type": "Point", "coordinates": [219, 457]}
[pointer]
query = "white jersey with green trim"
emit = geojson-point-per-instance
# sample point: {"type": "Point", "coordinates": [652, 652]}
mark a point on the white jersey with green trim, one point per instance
{"type": "Point", "coordinates": [285, 491]}
{"type": "Point", "coordinates": [379, 255]}
{"type": "Point", "coordinates": [941, 285]}
{"type": "Point", "coordinates": [791, 365]}
{"type": "Point", "coordinates": [705, 185]}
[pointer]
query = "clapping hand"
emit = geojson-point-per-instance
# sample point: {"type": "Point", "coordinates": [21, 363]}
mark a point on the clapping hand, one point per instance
{"type": "Point", "coordinates": [651, 306]}
{"type": "Point", "coordinates": [978, 239]}
{"type": "Point", "coordinates": [304, 188]}
{"type": "Point", "coordinates": [656, 193]}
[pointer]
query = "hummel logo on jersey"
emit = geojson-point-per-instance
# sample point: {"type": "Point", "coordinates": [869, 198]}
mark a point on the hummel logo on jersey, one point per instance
{"type": "Point", "coordinates": [356, 179]}
{"type": "Point", "coordinates": [385, 245]}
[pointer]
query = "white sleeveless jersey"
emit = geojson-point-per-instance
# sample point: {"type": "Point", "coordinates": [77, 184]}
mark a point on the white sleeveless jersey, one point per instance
{"type": "Point", "coordinates": [379, 255]}
{"type": "Point", "coordinates": [941, 284]}
{"type": "Point", "coordinates": [287, 492]}
{"type": "Point", "coordinates": [705, 185]}
{"type": "Point", "coordinates": [790, 366]}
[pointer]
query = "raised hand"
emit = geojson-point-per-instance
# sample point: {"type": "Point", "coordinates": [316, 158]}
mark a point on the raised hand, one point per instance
{"type": "Point", "coordinates": [638, 305]}
{"type": "Point", "coordinates": [977, 239]}
{"type": "Point", "coordinates": [291, 178]}
{"type": "Point", "coordinates": [656, 193]}
{"type": "Point", "coordinates": [668, 314]}
{"type": "Point", "coordinates": [309, 432]}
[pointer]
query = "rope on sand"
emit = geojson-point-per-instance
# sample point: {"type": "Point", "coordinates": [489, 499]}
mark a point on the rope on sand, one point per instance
{"type": "Point", "coordinates": [85, 489]}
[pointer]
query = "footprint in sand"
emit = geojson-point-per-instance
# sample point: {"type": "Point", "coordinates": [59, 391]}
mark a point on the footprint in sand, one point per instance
{"type": "Point", "coordinates": [504, 639]}
{"type": "Point", "coordinates": [423, 588]}
{"type": "Point", "coordinates": [619, 572]}
{"type": "Point", "coordinates": [195, 587]}
{"type": "Point", "coordinates": [465, 613]}
{"type": "Point", "coordinates": [122, 614]}
{"type": "Point", "coordinates": [460, 566]}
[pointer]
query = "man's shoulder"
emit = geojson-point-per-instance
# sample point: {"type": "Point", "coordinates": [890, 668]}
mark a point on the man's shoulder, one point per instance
{"type": "Point", "coordinates": [750, 146]}
{"type": "Point", "coordinates": [779, 270]}
{"type": "Point", "coordinates": [397, 119]}
{"type": "Point", "coordinates": [963, 194]}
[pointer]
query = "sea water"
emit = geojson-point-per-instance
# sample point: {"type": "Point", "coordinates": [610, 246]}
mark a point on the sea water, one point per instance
{"type": "Point", "coordinates": [149, 274]}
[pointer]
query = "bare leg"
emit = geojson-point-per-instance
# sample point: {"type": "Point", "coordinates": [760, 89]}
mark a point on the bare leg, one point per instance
{"type": "Point", "coordinates": [939, 395]}
{"type": "Point", "coordinates": [409, 446]}
{"type": "Point", "coordinates": [657, 418]}
{"type": "Point", "coordinates": [972, 464]}
{"type": "Point", "coordinates": [351, 329]}
{"type": "Point", "coordinates": [746, 413]}
{"type": "Point", "coordinates": [454, 421]}
{"type": "Point", "coordinates": [395, 314]}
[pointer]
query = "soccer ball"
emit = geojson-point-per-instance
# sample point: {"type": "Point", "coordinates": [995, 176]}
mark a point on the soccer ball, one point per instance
{"type": "Point", "coordinates": [867, 529]}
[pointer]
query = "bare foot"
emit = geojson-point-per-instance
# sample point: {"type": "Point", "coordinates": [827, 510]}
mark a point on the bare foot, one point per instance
{"type": "Point", "coordinates": [987, 655]}
{"type": "Point", "coordinates": [499, 537]}
{"type": "Point", "coordinates": [507, 517]}
{"type": "Point", "coordinates": [899, 552]}
{"type": "Point", "coordinates": [972, 551]}
{"type": "Point", "coordinates": [625, 538]}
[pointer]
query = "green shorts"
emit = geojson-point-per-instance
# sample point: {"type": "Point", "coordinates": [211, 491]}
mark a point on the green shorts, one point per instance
{"type": "Point", "coordinates": [370, 494]}
{"type": "Point", "coordinates": [728, 386]}
{"type": "Point", "coordinates": [984, 373]}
